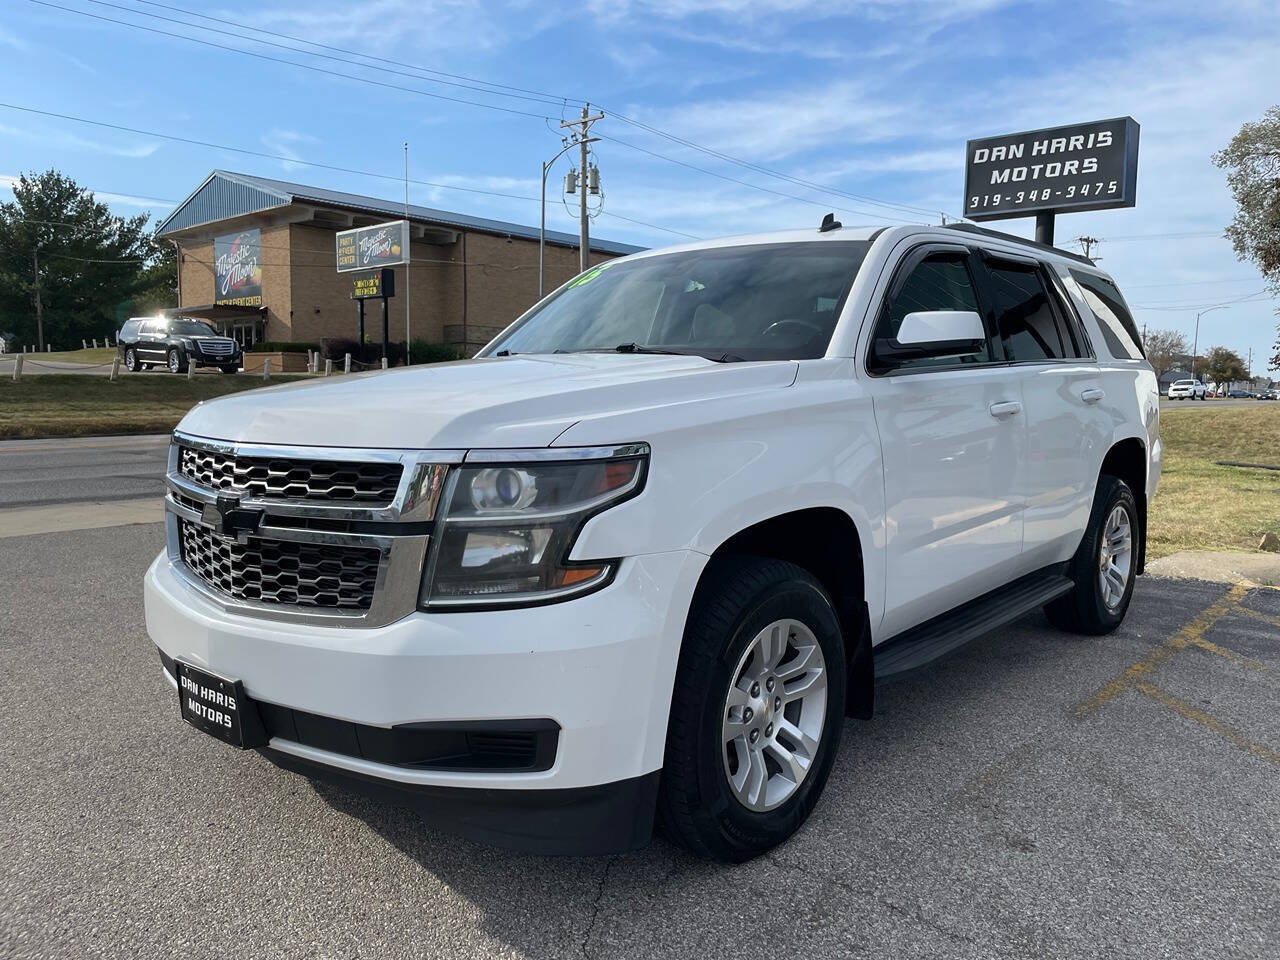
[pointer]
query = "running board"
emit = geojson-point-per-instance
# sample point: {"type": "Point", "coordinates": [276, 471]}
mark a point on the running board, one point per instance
{"type": "Point", "coordinates": [952, 630]}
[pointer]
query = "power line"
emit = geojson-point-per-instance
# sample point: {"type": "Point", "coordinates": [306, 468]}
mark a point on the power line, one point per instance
{"type": "Point", "coordinates": [745, 183]}
{"type": "Point", "coordinates": [291, 63]}
{"type": "Point", "coordinates": [537, 97]}
{"type": "Point", "coordinates": [1189, 283]}
{"type": "Point", "coordinates": [798, 181]}
{"type": "Point", "coordinates": [356, 53]}
{"type": "Point", "coordinates": [307, 163]}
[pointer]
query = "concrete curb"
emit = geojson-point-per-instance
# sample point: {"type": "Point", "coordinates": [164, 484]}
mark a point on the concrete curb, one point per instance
{"type": "Point", "coordinates": [1255, 569]}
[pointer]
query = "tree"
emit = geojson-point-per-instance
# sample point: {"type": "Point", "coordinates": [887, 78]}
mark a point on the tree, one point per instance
{"type": "Point", "coordinates": [1165, 349]}
{"type": "Point", "coordinates": [69, 268]}
{"type": "Point", "coordinates": [1252, 162]}
{"type": "Point", "coordinates": [1222, 365]}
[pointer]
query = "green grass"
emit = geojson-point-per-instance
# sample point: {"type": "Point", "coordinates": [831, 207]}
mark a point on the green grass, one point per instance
{"type": "Point", "coordinates": [1202, 506]}
{"type": "Point", "coordinates": [101, 355]}
{"type": "Point", "coordinates": [75, 405]}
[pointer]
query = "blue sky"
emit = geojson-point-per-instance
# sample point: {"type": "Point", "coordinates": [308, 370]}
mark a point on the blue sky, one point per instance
{"type": "Point", "coordinates": [872, 98]}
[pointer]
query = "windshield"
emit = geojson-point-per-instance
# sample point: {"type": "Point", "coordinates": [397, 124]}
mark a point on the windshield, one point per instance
{"type": "Point", "coordinates": [191, 328]}
{"type": "Point", "coordinates": [762, 302]}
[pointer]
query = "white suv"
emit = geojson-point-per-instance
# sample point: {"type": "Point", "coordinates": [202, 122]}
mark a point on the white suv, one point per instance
{"type": "Point", "coordinates": [641, 557]}
{"type": "Point", "coordinates": [1187, 390]}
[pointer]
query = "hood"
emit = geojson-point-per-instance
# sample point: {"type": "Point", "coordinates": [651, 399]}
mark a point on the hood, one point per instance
{"type": "Point", "coordinates": [494, 402]}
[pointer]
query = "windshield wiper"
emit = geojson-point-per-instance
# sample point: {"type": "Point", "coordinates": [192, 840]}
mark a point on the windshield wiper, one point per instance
{"type": "Point", "coordinates": [641, 348]}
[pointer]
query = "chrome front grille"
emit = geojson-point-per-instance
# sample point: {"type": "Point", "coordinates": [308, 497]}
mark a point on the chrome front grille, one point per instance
{"type": "Point", "coordinates": [312, 534]}
{"type": "Point", "coordinates": [292, 479]}
{"type": "Point", "coordinates": [281, 571]}
{"type": "Point", "coordinates": [217, 348]}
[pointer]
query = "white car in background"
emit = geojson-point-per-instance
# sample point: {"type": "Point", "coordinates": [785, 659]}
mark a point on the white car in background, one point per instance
{"type": "Point", "coordinates": [1187, 390]}
{"type": "Point", "coordinates": [641, 557]}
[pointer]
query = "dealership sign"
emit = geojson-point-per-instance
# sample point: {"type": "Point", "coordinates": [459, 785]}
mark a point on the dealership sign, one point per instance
{"type": "Point", "coordinates": [382, 245]}
{"type": "Point", "coordinates": [1084, 166]}
{"type": "Point", "coordinates": [237, 269]}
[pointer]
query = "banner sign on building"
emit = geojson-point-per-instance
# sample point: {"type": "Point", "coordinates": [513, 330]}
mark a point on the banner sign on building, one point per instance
{"type": "Point", "coordinates": [1083, 166]}
{"type": "Point", "coordinates": [237, 269]}
{"type": "Point", "coordinates": [382, 245]}
{"type": "Point", "coordinates": [376, 283]}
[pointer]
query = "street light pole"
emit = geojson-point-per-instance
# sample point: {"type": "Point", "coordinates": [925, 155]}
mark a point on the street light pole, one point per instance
{"type": "Point", "coordinates": [1195, 344]}
{"type": "Point", "coordinates": [542, 228]}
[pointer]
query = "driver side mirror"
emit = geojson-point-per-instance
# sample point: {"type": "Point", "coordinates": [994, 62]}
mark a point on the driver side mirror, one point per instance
{"type": "Point", "coordinates": [934, 334]}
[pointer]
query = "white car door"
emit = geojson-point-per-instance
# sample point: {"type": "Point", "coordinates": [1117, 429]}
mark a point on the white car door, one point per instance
{"type": "Point", "coordinates": [1068, 426]}
{"type": "Point", "coordinates": [953, 442]}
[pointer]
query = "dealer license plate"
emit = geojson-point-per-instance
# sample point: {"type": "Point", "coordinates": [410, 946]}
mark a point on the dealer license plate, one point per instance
{"type": "Point", "coordinates": [218, 706]}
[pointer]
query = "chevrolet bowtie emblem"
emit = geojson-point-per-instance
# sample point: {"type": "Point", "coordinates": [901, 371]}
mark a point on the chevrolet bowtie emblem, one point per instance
{"type": "Point", "coordinates": [230, 519]}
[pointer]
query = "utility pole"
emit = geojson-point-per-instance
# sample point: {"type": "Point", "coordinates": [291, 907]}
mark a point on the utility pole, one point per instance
{"type": "Point", "coordinates": [583, 126]}
{"type": "Point", "coordinates": [35, 268]}
{"type": "Point", "coordinates": [408, 256]}
{"type": "Point", "coordinates": [1086, 245]}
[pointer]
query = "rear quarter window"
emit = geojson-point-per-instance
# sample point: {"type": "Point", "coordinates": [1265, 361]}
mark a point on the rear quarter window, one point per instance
{"type": "Point", "coordinates": [1114, 319]}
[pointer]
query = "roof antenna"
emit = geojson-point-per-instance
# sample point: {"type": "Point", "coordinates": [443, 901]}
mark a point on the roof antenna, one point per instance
{"type": "Point", "coordinates": [829, 223]}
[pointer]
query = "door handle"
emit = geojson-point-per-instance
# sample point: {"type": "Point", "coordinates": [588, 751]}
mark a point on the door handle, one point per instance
{"type": "Point", "coordinates": [1092, 395]}
{"type": "Point", "coordinates": [1005, 408]}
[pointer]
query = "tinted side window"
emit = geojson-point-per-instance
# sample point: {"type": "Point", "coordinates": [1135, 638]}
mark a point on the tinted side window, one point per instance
{"type": "Point", "coordinates": [130, 329]}
{"type": "Point", "coordinates": [1114, 319]}
{"type": "Point", "coordinates": [1024, 314]}
{"type": "Point", "coordinates": [941, 281]}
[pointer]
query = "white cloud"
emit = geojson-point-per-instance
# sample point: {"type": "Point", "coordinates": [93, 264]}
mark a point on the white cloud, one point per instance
{"type": "Point", "coordinates": [284, 143]}
{"type": "Point", "coordinates": [61, 140]}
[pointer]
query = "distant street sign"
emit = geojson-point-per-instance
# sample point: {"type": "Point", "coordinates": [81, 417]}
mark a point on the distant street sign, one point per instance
{"type": "Point", "coordinates": [1083, 166]}
{"type": "Point", "coordinates": [376, 283]}
{"type": "Point", "coordinates": [382, 245]}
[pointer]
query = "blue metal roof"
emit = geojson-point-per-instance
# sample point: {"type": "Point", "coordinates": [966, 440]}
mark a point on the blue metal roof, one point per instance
{"type": "Point", "coordinates": [224, 195]}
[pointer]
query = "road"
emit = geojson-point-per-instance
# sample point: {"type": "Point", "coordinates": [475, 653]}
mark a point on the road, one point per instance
{"type": "Point", "coordinates": [49, 472]}
{"type": "Point", "coordinates": [1038, 794]}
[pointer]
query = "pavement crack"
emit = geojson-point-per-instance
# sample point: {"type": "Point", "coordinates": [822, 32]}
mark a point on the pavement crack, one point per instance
{"type": "Point", "coordinates": [595, 907]}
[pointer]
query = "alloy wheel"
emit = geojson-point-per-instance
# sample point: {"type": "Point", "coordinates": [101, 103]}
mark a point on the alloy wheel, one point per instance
{"type": "Point", "coordinates": [1115, 557]}
{"type": "Point", "coordinates": [773, 715]}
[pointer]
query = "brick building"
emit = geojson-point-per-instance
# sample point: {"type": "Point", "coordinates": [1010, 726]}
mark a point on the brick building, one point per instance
{"type": "Point", "coordinates": [256, 257]}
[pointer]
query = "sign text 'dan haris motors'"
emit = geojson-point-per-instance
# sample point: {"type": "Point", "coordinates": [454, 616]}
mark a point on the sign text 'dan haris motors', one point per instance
{"type": "Point", "coordinates": [1083, 166]}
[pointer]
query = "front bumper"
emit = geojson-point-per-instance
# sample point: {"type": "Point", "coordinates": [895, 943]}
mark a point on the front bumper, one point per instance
{"type": "Point", "coordinates": [600, 666]}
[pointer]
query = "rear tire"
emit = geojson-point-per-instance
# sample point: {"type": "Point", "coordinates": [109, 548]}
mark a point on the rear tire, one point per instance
{"type": "Point", "coordinates": [743, 768]}
{"type": "Point", "coordinates": [1105, 565]}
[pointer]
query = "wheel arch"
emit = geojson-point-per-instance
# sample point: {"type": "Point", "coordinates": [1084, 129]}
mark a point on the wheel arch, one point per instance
{"type": "Point", "coordinates": [824, 541]}
{"type": "Point", "coordinates": [1127, 460]}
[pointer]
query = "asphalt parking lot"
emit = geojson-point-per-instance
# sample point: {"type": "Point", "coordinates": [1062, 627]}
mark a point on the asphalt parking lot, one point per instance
{"type": "Point", "coordinates": [1036, 795]}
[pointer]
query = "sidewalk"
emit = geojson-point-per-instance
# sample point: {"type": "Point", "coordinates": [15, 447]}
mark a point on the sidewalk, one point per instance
{"type": "Point", "coordinates": [1261, 569]}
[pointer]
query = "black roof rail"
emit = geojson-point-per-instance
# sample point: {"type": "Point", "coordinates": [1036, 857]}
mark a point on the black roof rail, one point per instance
{"type": "Point", "coordinates": [997, 235]}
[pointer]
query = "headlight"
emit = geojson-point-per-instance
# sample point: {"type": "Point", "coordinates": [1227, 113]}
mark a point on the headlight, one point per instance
{"type": "Point", "coordinates": [509, 522]}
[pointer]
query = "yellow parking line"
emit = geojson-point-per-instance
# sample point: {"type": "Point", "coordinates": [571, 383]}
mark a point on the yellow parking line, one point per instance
{"type": "Point", "coordinates": [1184, 709]}
{"type": "Point", "coordinates": [1259, 615]}
{"type": "Point", "coordinates": [1225, 654]}
{"type": "Point", "coordinates": [1189, 634]}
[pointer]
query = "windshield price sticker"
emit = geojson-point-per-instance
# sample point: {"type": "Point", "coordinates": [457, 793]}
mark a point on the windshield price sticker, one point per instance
{"type": "Point", "coordinates": [1085, 166]}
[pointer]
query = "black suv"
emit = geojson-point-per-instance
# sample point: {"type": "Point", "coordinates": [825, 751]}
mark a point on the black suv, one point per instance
{"type": "Point", "coordinates": [157, 341]}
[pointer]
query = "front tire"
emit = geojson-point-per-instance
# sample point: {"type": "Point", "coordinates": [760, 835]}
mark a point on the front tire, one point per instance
{"type": "Point", "coordinates": [175, 360]}
{"type": "Point", "coordinates": [1105, 565]}
{"type": "Point", "coordinates": [756, 711]}
{"type": "Point", "coordinates": [131, 360]}
{"type": "Point", "coordinates": [229, 368]}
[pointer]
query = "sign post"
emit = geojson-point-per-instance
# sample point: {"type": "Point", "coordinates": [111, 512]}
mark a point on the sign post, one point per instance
{"type": "Point", "coordinates": [379, 247]}
{"type": "Point", "coordinates": [376, 284]}
{"type": "Point", "coordinates": [1040, 173]}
